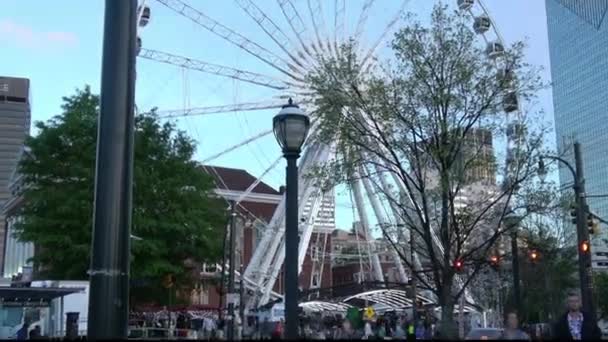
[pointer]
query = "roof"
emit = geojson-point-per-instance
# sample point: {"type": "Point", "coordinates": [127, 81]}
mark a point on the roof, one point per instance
{"type": "Point", "coordinates": [35, 294]}
{"type": "Point", "coordinates": [236, 180]}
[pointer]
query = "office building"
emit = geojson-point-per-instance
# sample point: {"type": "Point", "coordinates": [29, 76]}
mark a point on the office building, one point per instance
{"type": "Point", "coordinates": [14, 127]}
{"type": "Point", "coordinates": [578, 46]}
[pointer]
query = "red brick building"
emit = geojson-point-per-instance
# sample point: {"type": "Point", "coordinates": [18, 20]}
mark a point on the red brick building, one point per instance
{"type": "Point", "coordinates": [254, 211]}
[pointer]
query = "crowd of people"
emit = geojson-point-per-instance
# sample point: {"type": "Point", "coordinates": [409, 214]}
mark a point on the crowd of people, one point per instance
{"type": "Point", "coordinates": [572, 325]}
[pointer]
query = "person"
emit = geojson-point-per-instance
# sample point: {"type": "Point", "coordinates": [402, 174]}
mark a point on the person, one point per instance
{"type": "Point", "coordinates": [35, 333]}
{"type": "Point", "coordinates": [277, 333]}
{"type": "Point", "coordinates": [368, 333]}
{"type": "Point", "coordinates": [22, 333]}
{"type": "Point", "coordinates": [576, 324]}
{"type": "Point", "coordinates": [512, 330]}
{"type": "Point", "coordinates": [419, 330]}
{"type": "Point", "coordinates": [399, 330]}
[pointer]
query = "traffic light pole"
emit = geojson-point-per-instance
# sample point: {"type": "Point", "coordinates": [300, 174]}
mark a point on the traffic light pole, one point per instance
{"type": "Point", "coordinates": [109, 273]}
{"type": "Point", "coordinates": [515, 266]}
{"type": "Point", "coordinates": [584, 257]}
{"type": "Point", "coordinates": [582, 231]}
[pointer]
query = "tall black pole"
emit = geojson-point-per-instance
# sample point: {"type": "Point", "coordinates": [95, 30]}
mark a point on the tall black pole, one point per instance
{"type": "Point", "coordinates": [515, 265]}
{"type": "Point", "coordinates": [231, 278]}
{"type": "Point", "coordinates": [413, 280]}
{"type": "Point", "coordinates": [584, 257]}
{"type": "Point", "coordinates": [109, 274]}
{"type": "Point", "coordinates": [291, 248]}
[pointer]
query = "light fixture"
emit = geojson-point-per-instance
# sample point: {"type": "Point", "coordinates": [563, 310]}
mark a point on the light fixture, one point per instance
{"type": "Point", "coordinates": [291, 127]}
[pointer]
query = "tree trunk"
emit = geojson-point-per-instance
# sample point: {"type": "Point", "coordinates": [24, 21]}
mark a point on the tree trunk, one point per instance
{"type": "Point", "coordinates": [447, 326]}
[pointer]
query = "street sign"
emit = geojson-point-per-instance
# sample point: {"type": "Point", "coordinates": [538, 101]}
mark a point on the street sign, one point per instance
{"type": "Point", "coordinates": [369, 313]}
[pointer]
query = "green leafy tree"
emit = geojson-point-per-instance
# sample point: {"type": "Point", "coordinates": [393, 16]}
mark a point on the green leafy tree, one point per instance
{"type": "Point", "coordinates": [178, 220]}
{"type": "Point", "coordinates": [601, 293]}
{"type": "Point", "coordinates": [545, 283]}
{"type": "Point", "coordinates": [415, 121]}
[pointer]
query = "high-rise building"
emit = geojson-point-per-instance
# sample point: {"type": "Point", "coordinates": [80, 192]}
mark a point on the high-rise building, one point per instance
{"type": "Point", "coordinates": [578, 46]}
{"type": "Point", "coordinates": [14, 127]}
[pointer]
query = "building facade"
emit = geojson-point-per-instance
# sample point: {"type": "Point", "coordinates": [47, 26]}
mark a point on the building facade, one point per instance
{"type": "Point", "coordinates": [578, 46]}
{"type": "Point", "coordinates": [15, 116]}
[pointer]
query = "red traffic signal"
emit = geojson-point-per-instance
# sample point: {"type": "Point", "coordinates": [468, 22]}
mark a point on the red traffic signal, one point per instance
{"type": "Point", "coordinates": [494, 261]}
{"type": "Point", "coordinates": [458, 265]}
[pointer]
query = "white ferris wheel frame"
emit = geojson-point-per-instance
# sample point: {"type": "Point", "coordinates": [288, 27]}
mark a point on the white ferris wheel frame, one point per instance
{"type": "Point", "coordinates": [263, 269]}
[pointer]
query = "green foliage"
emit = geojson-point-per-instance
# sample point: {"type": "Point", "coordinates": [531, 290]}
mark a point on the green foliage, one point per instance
{"type": "Point", "coordinates": [173, 211]}
{"type": "Point", "coordinates": [545, 284]}
{"type": "Point", "coordinates": [417, 118]}
{"type": "Point", "coordinates": [601, 293]}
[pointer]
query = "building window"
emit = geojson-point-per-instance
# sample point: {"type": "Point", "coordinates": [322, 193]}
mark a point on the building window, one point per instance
{"type": "Point", "coordinates": [315, 280]}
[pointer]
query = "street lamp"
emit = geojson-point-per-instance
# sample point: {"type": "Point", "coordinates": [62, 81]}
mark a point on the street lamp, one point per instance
{"type": "Point", "coordinates": [291, 127]}
{"type": "Point", "coordinates": [584, 257]}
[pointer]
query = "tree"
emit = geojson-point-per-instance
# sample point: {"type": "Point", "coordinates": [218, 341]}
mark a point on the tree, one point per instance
{"type": "Point", "coordinates": [174, 213]}
{"type": "Point", "coordinates": [601, 293]}
{"type": "Point", "coordinates": [425, 122]}
{"type": "Point", "coordinates": [546, 282]}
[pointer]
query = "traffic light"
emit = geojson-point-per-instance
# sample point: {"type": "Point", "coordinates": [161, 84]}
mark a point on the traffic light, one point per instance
{"type": "Point", "coordinates": [495, 261]}
{"type": "Point", "coordinates": [458, 265]}
{"type": "Point", "coordinates": [573, 213]}
{"type": "Point", "coordinates": [585, 247]}
{"type": "Point", "coordinates": [534, 255]}
{"type": "Point", "coordinates": [592, 224]}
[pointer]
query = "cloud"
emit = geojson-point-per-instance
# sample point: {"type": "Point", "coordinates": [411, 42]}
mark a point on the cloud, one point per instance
{"type": "Point", "coordinates": [28, 37]}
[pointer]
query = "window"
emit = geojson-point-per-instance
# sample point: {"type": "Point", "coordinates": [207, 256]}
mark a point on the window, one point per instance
{"type": "Point", "coordinates": [315, 280]}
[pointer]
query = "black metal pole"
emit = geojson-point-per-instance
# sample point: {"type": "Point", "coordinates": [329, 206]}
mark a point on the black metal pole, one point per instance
{"type": "Point", "coordinates": [584, 257]}
{"type": "Point", "coordinates": [232, 274]}
{"type": "Point", "coordinates": [291, 249]}
{"type": "Point", "coordinates": [110, 256]}
{"type": "Point", "coordinates": [413, 279]}
{"type": "Point", "coordinates": [515, 265]}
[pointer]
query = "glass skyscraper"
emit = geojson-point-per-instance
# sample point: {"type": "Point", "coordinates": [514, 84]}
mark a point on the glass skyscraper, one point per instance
{"type": "Point", "coordinates": [578, 44]}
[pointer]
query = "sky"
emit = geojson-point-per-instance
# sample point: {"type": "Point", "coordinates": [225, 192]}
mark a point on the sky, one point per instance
{"type": "Point", "coordinates": [58, 46]}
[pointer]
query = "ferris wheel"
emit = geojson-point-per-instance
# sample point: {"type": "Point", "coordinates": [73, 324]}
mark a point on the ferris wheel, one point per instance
{"type": "Point", "coordinates": [308, 34]}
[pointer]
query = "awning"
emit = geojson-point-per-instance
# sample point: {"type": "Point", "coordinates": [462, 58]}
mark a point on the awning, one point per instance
{"type": "Point", "coordinates": [34, 295]}
{"type": "Point", "coordinates": [319, 306]}
{"type": "Point", "coordinates": [393, 299]}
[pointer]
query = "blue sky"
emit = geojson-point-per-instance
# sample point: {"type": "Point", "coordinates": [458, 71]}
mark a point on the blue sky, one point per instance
{"type": "Point", "coordinates": [57, 45]}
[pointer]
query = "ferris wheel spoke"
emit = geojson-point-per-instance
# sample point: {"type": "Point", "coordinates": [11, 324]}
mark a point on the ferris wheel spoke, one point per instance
{"type": "Point", "coordinates": [385, 33]}
{"type": "Point", "coordinates": [258, 181]}
{"type": "Point", "coordinates": [339, 22]}
{"type": "Point", "coordinates": [239, 107]}
{"type": "Point", "coordinates": [270, 28]}
{"type": "Point", "coordinates": [296, 23]}
{"type": "Point", "coordinates": [318, 22]}
{"type": "Point", "coordinates": [231, 36]}
{"type": "Point", "coordinates": [214, 69]}
{"type": "Point", "coordinates": [237, 146]}
{"type": "Point", "coordinates": [363, 18]}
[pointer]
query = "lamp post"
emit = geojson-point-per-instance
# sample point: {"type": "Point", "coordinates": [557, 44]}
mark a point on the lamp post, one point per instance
{"type": "Point", "coordinates": [584, 256]}
{"type": "Point", "coordinates": [109, 273]}
{"type": "Point", "coordinates": [291, 127]}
